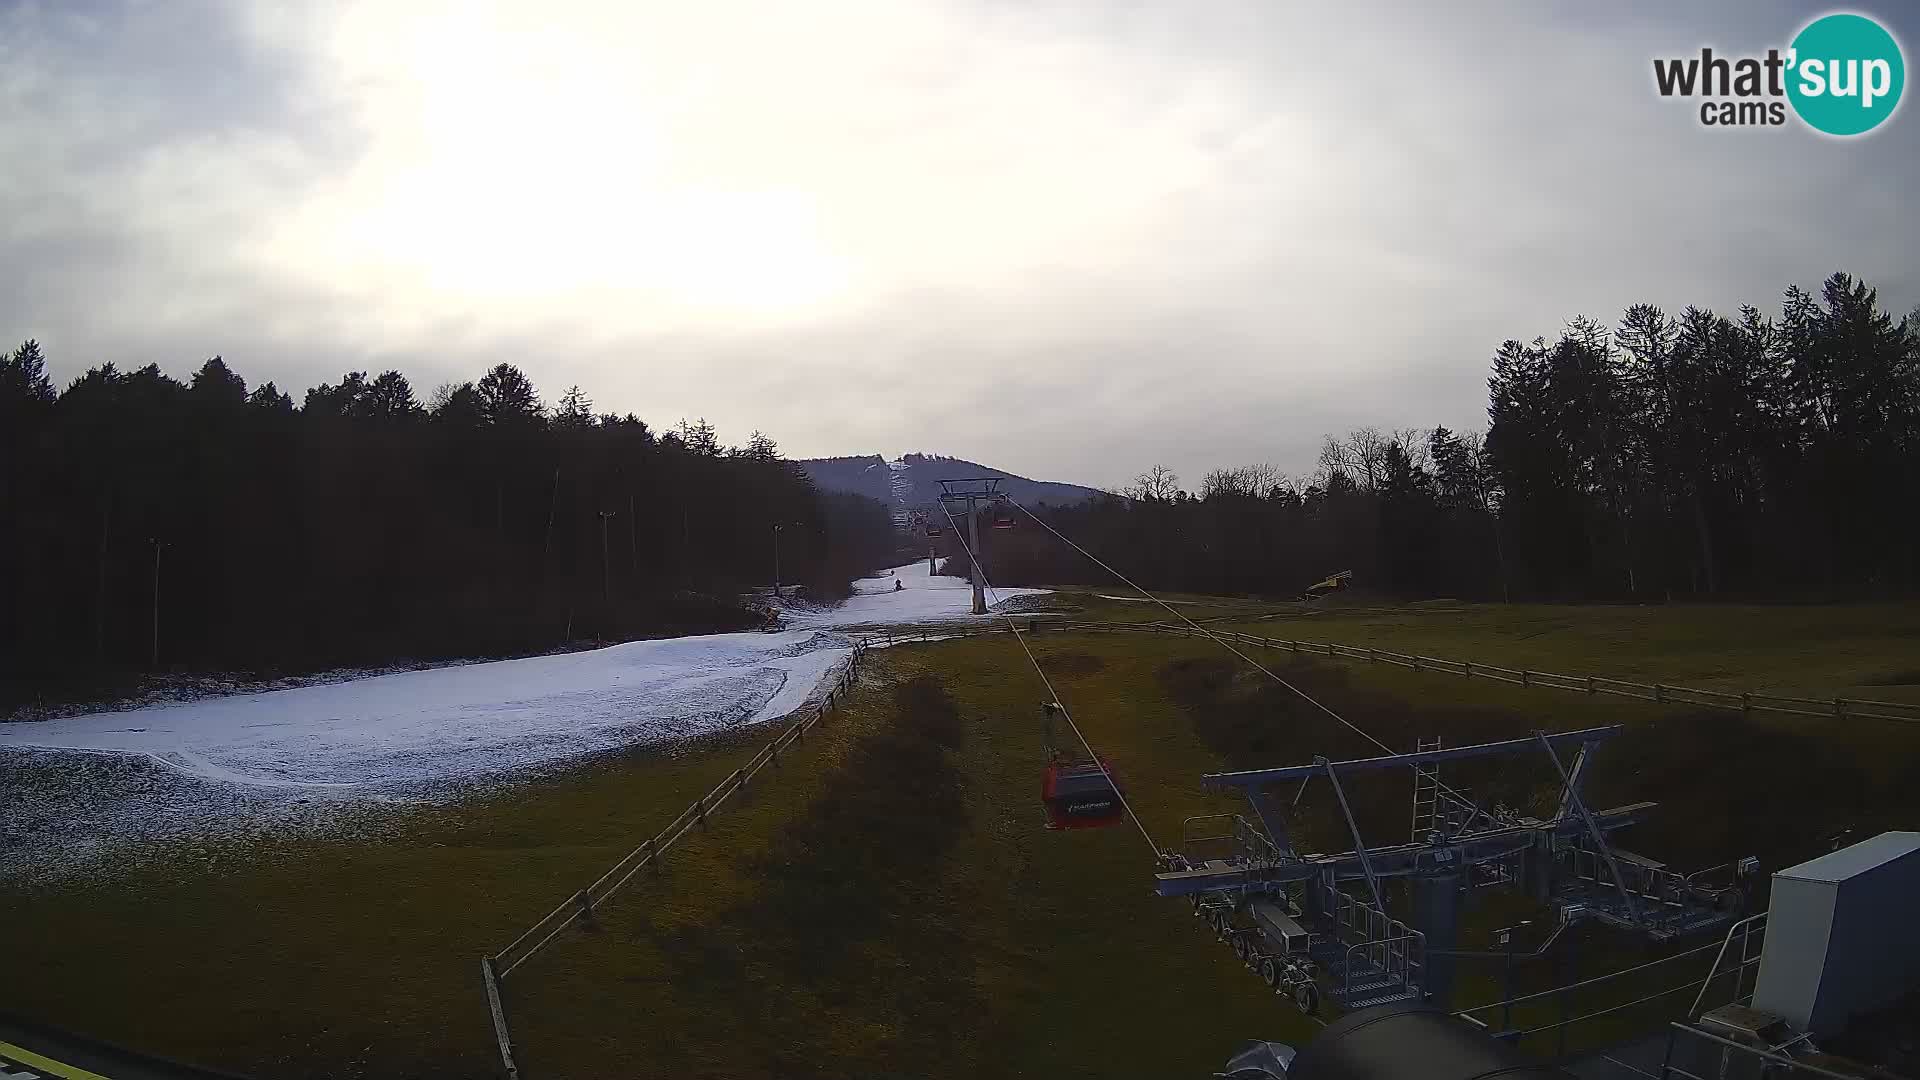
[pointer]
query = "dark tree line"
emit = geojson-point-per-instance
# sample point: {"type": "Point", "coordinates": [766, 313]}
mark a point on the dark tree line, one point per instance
{"type": "Point", "coordinates": [362, 525]}
{"type": "Point", "coordinates": [1671, 457]}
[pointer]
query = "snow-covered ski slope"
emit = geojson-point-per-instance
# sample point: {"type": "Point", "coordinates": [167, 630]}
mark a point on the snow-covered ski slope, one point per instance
{"type": "Point", "coordinates": [922, 599]}
{"type": "Point", "coordinates": [415, 730]}
{"type": "Point", "coordinates": [902, 486]}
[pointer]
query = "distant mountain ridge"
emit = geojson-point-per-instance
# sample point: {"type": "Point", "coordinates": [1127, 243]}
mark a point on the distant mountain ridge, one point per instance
{"type": "Point", "coordinates": [912, 482]}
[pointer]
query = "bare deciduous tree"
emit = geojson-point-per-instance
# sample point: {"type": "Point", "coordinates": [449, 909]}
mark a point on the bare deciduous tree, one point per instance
{"type": "Point", "coordinates": [1361, 454]}
{"type": "Point", "coordinates": [1159, 484]}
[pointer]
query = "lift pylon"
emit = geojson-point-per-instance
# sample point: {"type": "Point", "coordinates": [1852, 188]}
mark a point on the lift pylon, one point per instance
{"type": "Point", "coordinates": [968, 495]}
{"type": "Point", "coordinates": [1352, 943]}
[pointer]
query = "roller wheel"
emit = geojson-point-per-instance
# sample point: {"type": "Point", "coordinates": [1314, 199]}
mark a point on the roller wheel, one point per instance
{"type": "Point", "coordinates": [1240, 946]}
{"type": "Point", "coordinates": [1306, 998]}
{"type": "Point", "coordinates": [1270, 971]}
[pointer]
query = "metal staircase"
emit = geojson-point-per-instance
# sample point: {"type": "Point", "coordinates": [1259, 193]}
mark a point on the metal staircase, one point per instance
{"type": "Point", "coordinates": [1367, 957]}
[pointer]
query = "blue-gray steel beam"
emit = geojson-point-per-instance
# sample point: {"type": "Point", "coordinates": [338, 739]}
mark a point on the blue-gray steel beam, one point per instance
{"type": "Point", "coordinates": [1216, 781]}
{"type": "Point", "coordinates": [1270, 818]}
{"type": "Point", "coordinates": [1570, 793]}
{"type": "Point", "coordinates": [1574, 780]}
{"type": "Point", "coordinates": [1359, 845]}
{"type": "Point", "coordinates": [1395, 861]}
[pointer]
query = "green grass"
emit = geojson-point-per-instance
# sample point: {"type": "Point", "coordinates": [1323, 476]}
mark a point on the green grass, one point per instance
{"type": "Point", "coordinates": [888, 903]}
{"type": "Point", "coordinates": [1819, 651]}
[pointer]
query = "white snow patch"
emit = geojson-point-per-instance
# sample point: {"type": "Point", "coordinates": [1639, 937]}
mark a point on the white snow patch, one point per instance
{"type": "Point", "coordinates": [417, 729]}
{"type": "Point", "coordinates": [923, 598]}
{"type": "Point", "coordinates": [83, 791]}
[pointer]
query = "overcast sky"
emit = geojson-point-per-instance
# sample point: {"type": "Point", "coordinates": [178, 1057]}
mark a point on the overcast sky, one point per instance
{"type": "Point", "coordinates": [1069, 239]}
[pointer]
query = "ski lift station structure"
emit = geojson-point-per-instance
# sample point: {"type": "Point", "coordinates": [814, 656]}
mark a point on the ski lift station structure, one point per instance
{"type": "Point", "coordinates": [1313, 924]}
{"type": "Point", "coordinates": [1301, 920]}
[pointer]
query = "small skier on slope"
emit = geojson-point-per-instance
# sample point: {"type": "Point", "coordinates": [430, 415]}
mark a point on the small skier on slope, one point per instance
{"type": "Point", "coordinates": [898, 584]}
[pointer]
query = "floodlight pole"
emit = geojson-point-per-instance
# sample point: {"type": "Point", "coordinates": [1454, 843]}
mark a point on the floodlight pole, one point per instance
{"type": "Point", "coordinates": [777, 526]}
{"type": "Point", "coordinates": [606, 574]}
{"type": "Point", "coordinates": [776, 560]}
{"type": "Point", "coordinates": [158, 545]}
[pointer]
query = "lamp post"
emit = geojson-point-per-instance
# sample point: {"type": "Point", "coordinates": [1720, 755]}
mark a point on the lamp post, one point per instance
{"type": "Point", "coordinates": [777, 526]}
{"type": "Point", "coordinates": [606, 590]}
{"type": "Point", "coordinates": [606, 575]}
{"type": "Point", "coordinates": [158, 546]}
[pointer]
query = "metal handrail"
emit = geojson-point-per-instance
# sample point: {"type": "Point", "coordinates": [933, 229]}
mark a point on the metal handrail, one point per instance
{"type": "Point", "coordinates": [1572, 1020]}
{"type": "Point", "coordinates": [1583, 982]}
{"type": "Point", "coordinates": [1407, 963]}
{"type": "Point", "coordinates": [1187, 824]}
{"type": "Point", "coordinates": [1667, 1066]}
{"type": "Point", "coordinates": [1694, 1009]}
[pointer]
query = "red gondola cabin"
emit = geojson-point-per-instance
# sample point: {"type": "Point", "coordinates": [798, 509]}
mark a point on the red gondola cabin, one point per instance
{"type": "Point", "coordinates": [1079, 795]}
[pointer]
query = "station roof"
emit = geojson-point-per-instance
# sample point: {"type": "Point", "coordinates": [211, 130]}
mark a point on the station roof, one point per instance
{"type": "Point", "coordinates": [1851, 861]}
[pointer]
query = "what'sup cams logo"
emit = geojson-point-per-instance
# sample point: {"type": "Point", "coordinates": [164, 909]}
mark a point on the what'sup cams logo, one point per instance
{"type": "Point", "coordinates": [1842, 75]}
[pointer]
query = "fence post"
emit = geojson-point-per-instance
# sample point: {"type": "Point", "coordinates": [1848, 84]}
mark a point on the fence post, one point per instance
{"type": "Point", "coordinates": [700, 810]}
{"type": "Point", "coordinates": [1660, 693]}
{"type": "Point", "coordinates": [1469, 671]}
{"type": "Point", "coordinates": [1589, 684]}
{"type": "Point", "coordinates": [1373, 655]}
{"type": "Point", "coordinates": [585, 905]}
{"type": "Point", "coordinates": [1295, 644]}
{"type": "Point", "coordinates": [492, 979]}
{"type": "Point", "coordinates": [1526, 677]}
{"type": "Point", "coordinates": [653, 854]}
{"type": "Point", "coordinates": [1746, 704]}
{"type": "Point", "coordinates": [1839, 708]}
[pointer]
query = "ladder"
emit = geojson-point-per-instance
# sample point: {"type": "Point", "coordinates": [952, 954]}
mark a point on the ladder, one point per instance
{"type": "Point", "coordinates": [1426, 792]}
{"type": "Point", "coordinates": [1447, 812]}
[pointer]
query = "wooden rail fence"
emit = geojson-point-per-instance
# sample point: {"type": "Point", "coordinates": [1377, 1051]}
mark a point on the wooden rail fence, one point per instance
{"type": "Point", "coordinates": [1838, 708]}
{"type": "Point", "coordinates": [581, 904]}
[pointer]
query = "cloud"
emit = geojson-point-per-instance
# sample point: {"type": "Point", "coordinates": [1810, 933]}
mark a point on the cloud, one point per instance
{"type": "Point", "coordinates": [1068, 238]}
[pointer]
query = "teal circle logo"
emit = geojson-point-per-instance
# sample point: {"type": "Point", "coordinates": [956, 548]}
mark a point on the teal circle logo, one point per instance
{"type": "Point", "coordinates": [1845, 74]}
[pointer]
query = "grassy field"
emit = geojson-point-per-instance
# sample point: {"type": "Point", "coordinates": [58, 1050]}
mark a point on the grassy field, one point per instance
{"type": "Point", "coordinates": [889, 904]}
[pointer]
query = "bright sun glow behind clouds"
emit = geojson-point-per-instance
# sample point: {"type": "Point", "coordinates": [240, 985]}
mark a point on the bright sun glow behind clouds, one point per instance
{"type": "Point", "coordinates": [754, 163]}
{"type": "Point", "coordinates": [517, 158]}
{"type": "Point", "coordinates": [1068, 237]}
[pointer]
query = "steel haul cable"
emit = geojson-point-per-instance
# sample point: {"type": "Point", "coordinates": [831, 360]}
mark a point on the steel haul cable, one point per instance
{"type": "Point", "coordinates": [1048, 683]}
{"type": "Point", "coordinates": [1223, 643]}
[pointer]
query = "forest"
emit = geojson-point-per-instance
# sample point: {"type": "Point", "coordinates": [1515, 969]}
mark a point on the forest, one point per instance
{"type": "Point", "coordinates": [1771, 457]}
{"type": "Point", "coordinates": [155, 525]}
